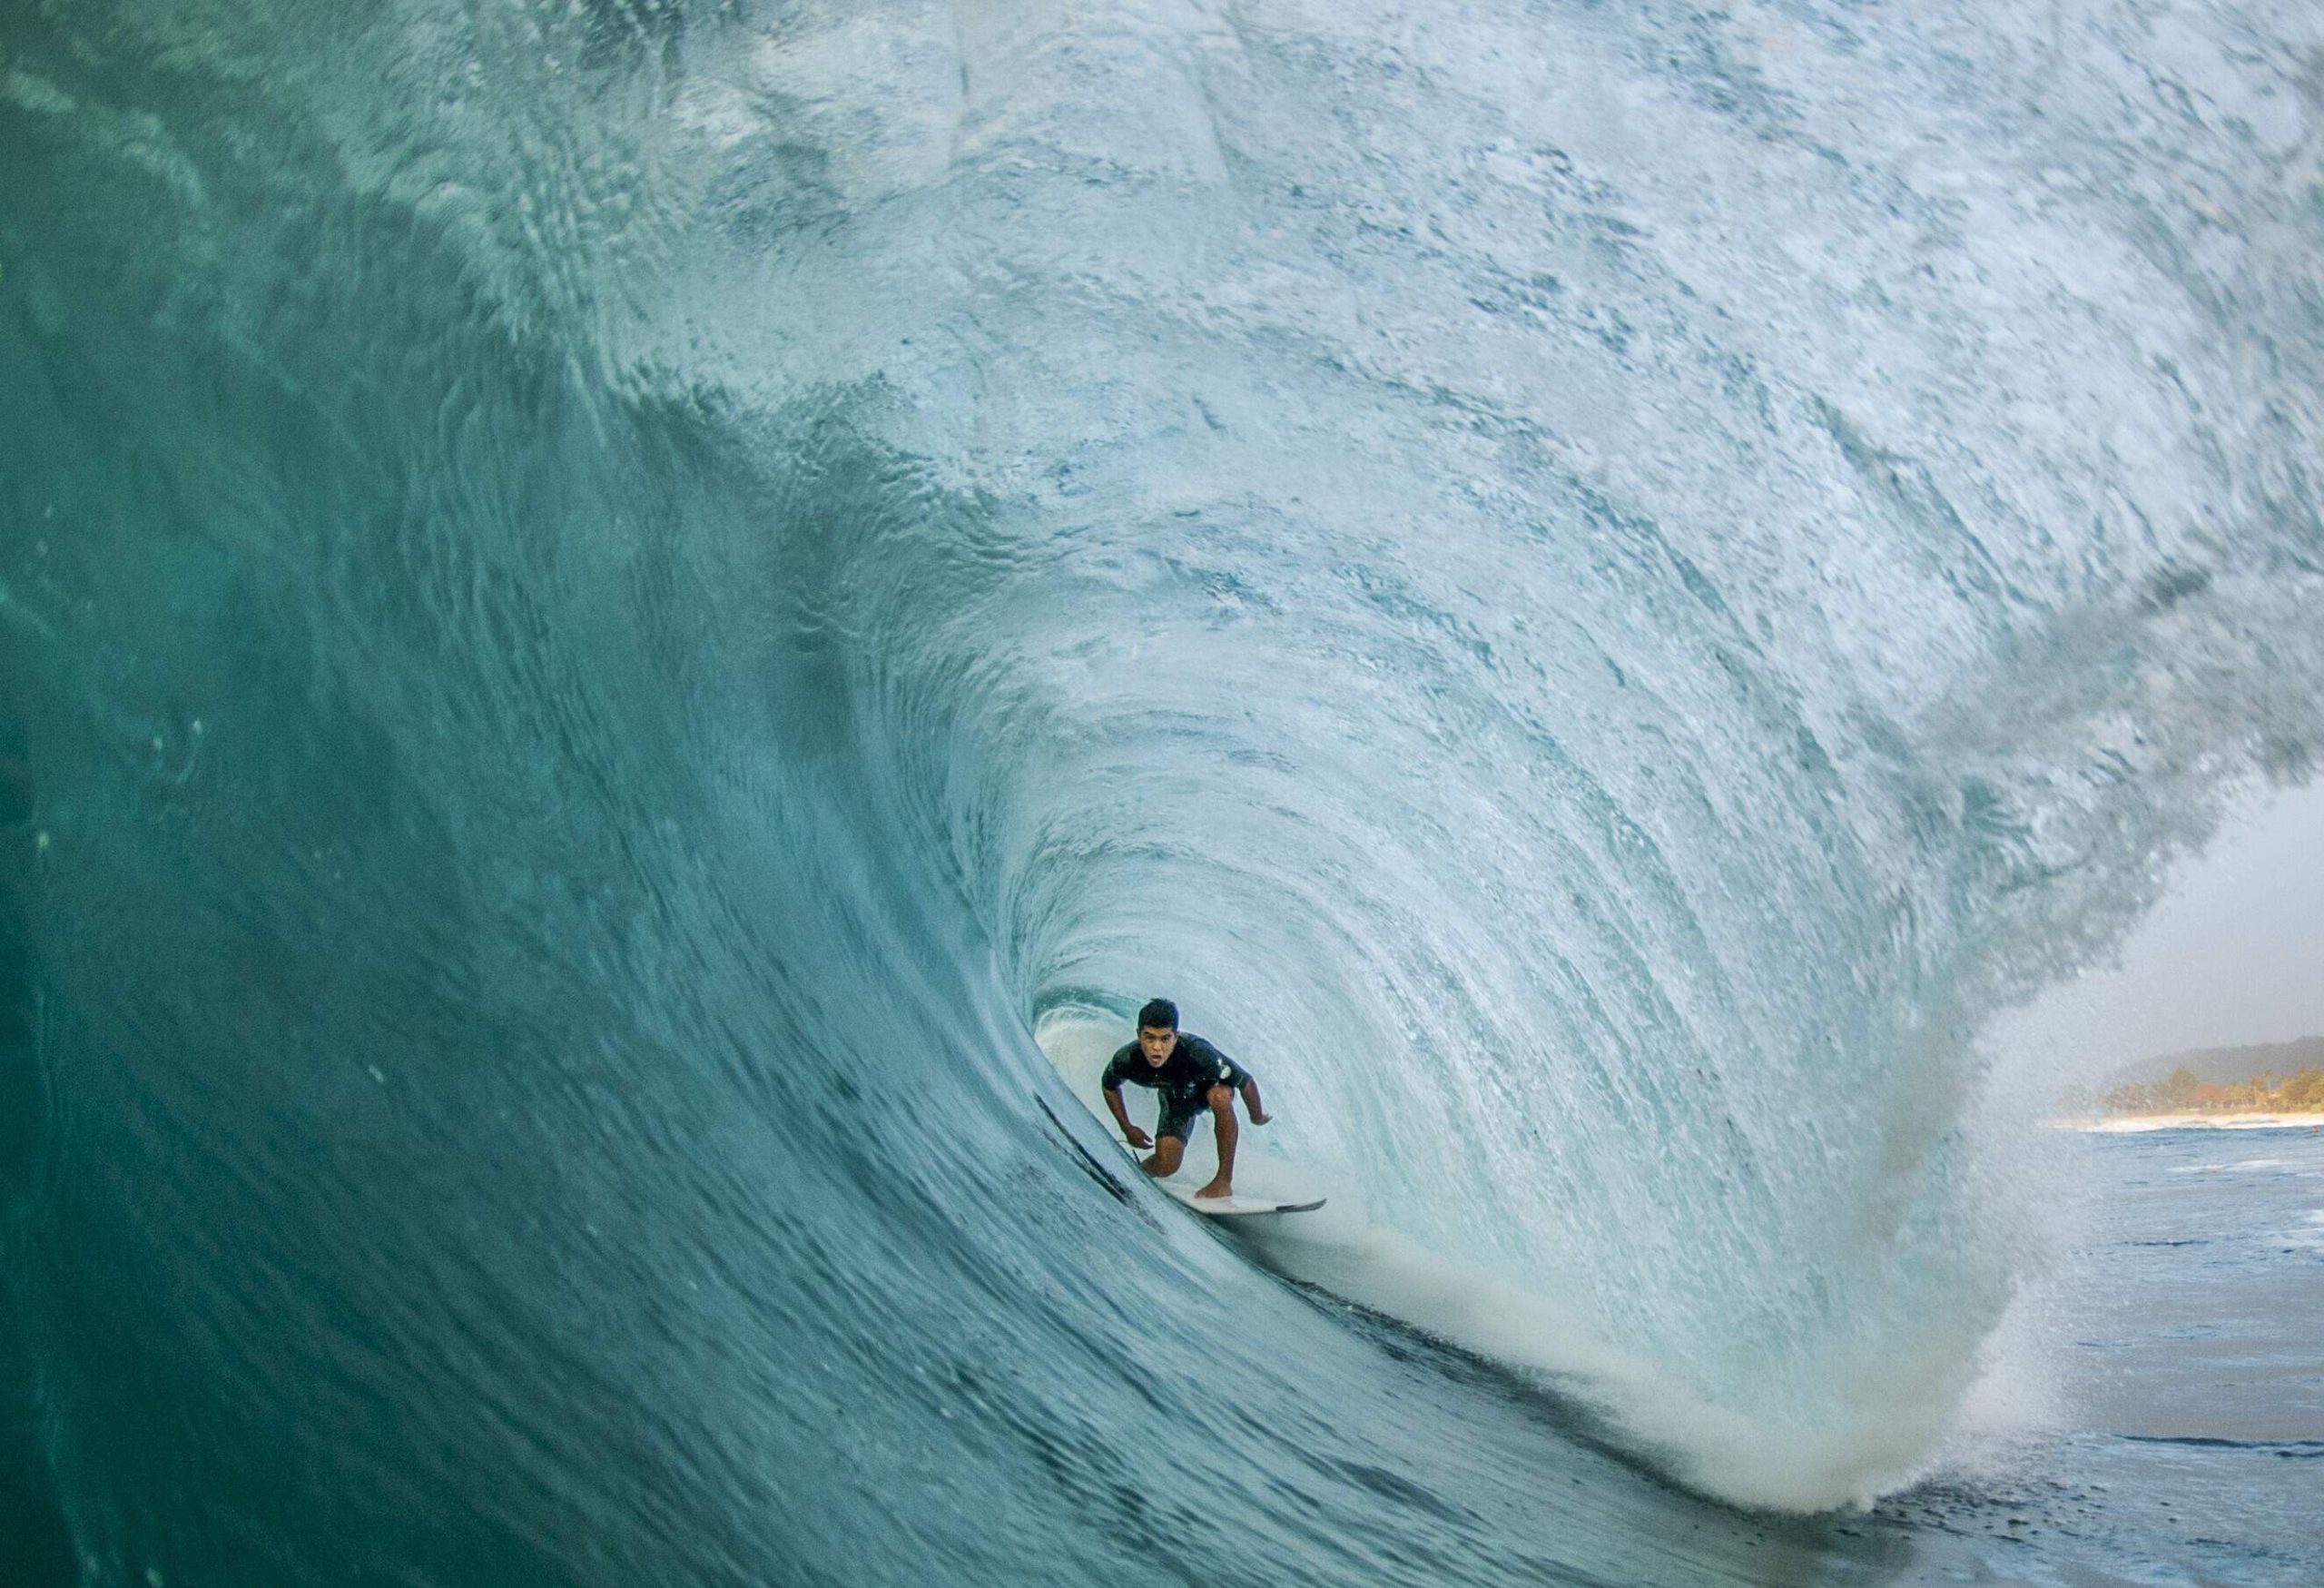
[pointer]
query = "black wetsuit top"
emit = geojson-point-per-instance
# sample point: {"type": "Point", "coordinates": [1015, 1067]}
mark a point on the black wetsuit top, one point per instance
{"type": "Point", "coordinates": [1183, 1078]}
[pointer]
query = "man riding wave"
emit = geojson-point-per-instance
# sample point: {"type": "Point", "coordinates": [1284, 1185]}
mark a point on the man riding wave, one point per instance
{"type": "Point", "coordinates": [1193, 1077]}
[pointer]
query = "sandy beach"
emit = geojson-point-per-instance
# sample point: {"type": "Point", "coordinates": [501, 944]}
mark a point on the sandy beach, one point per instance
{"type": "Point", "coordinates": [2119, 1123]}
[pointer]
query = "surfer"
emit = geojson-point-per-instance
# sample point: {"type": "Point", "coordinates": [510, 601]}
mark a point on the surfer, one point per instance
{"type": "Point", "coordinates": [1192, 1076]}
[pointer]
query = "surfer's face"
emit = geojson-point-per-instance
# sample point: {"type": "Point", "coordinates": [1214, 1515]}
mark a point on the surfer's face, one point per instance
{"type": "Point", "coordinates": [1156, 1043]}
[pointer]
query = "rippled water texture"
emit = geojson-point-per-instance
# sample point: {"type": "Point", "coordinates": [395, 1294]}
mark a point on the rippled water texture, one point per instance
{"type": "Point", "coordinates": [606, 609]}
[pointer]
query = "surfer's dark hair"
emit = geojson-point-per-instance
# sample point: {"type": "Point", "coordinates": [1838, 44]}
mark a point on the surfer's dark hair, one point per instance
{"type": "Point", "coordinates": [1160, 1014]}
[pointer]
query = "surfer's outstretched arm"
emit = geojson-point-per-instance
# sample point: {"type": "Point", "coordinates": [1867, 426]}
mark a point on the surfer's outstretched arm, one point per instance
{"type": "Point", "coordinates": [1251, 1100]}
{"type": "Point", "coordinates": [1222, 1114]}
{"type": "Point", "coordinates": [1130, 1133]}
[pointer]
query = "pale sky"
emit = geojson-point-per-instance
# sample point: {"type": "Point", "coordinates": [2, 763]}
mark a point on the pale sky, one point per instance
{"type": "Point", "coordinates": [2234, 954]}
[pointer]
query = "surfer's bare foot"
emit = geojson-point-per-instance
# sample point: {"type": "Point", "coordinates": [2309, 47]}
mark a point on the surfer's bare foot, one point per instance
{"type": "Point", "coordinates": [1216, 1189]}
{"type": "Point", "coordinates": [1261, 1118]}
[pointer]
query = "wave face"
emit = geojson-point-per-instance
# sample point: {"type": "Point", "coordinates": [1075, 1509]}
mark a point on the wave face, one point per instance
{"type": "Point", "coordinates": [605, 605]}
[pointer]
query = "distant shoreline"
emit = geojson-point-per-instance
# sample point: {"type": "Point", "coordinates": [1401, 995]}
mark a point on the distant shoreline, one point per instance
{"type": "Point", "coordinates": [2210, 1118]}
{"type": "Point", "coordinates": [2280, 1084]}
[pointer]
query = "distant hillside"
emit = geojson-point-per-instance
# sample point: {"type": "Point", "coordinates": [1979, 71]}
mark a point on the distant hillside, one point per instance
{"type": "Point", "coordinates": [2224, 1065]}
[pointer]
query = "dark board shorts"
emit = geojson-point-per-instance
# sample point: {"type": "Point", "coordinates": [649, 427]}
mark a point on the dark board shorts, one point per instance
{"type": "Point", "coordinates": [1181, 1111]}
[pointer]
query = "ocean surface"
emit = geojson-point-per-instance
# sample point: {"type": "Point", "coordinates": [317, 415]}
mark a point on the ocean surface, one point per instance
{"type": "Point", "coordinates": [2155, 1410]}
{"type": "Point", "coordinates": [629, 629]}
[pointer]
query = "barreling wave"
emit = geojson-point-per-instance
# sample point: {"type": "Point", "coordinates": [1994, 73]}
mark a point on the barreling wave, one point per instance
{"type": "Point", "coordinates": [608, 604]}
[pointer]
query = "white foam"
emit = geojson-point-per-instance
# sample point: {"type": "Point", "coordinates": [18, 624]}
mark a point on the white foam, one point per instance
{"type": "Point", "coordinates": [1871, 1442]}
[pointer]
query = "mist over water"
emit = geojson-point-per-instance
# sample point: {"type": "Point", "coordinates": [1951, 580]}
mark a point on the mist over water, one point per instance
{"type": "Point", "coordinates": [604, 607]}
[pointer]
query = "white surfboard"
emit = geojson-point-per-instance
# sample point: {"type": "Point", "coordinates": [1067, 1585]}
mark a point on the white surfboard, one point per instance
{"type": "Point", "coordinates": [1181, 1189]}
{"type": "Point", "coordinates": [1234, 1207]}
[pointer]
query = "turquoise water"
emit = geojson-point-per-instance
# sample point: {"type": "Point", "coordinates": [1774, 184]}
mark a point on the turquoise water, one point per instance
{"type": "Point", "coordinates": [620, 625]}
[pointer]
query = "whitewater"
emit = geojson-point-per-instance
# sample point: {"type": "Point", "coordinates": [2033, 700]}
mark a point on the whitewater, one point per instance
{"type": "Point", "coordinates": [630, 632]}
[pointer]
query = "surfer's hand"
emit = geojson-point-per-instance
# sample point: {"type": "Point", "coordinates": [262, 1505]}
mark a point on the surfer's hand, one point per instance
{"type": "Point", "coordinates": [1137, 1138]}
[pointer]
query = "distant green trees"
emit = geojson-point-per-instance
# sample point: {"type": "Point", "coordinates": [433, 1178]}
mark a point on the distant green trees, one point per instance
{"type": "Point", "coordinates": [2180, 1092]}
